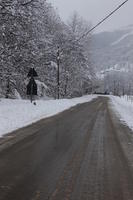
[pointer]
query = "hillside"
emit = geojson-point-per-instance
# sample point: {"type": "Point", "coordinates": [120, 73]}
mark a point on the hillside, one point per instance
{"type": "Point", "coordinates": [111, 48]}
{"type": "Point", "coordinates": [112, 54]}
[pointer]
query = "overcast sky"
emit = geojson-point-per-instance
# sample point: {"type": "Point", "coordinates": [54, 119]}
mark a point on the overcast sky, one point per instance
{"type": "Point", "coordinates": [95, 10]}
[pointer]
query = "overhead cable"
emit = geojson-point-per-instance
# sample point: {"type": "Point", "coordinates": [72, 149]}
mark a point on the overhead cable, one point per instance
{"type": "Point", "coordinates": [98, 24]}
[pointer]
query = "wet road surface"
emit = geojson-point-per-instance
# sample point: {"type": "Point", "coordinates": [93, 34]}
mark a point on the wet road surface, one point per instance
{"type": "Point", "coordinates": [80, 154]}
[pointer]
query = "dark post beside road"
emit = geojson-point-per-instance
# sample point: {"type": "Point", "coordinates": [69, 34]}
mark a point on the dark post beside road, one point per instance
{"type": "Point", "coordinates": [58, 73]}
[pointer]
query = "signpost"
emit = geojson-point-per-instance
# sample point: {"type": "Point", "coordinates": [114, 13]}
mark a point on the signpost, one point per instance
{"type": "Point", "coordinates": [58, 73]}
{"type": "Point", "coordinates": [32, 86]}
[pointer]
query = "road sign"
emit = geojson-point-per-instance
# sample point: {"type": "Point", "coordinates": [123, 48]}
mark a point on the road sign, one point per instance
{"type": "Point", "coordinates": [32, 73]}
{"type": "Point", "coordinates": [32, 87]}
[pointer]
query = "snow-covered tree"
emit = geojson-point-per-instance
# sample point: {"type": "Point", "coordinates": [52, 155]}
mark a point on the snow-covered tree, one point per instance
{"type": "Point", "coordinates": [31, 31]}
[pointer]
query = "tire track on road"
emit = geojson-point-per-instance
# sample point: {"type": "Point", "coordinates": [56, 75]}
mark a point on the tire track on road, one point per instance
{"type": "Point", "coordinates": [67, 181]}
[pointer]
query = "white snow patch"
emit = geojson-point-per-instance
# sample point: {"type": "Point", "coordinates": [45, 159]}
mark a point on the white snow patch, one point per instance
{"type": "Point", "coordinates": [124, 109]}
{"type": "Point", "coordinates": [17, 95]}
{"type": "Point", "coordinates": [122, 38]}
{"type": "Point", "coordinates": [54, 65]}
{"type": "Point", "coordinates": [40, 84]}
{"type": "Point", "coordinates": [15, 114]}
{"type": "Point", "coordinates": [116, 68]}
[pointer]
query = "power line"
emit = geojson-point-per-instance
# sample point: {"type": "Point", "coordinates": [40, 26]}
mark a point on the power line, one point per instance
{"type": "Point", "coordinates": [109, 15]}
{"type": "Point", "coordinates": [98, 24]}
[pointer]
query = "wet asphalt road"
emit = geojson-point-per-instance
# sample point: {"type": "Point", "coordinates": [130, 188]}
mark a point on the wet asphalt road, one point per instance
{"type": "Point", "coordinates": [80, 154]}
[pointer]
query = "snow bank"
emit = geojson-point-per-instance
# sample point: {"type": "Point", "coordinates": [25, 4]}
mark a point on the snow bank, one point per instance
{"type": "Point", "coordinates": [15, 114]}
{"type": "Point", "coordinates": [124, 109]}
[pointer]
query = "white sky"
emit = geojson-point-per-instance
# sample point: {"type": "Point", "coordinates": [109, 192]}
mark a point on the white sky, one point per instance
{"type": "Point", "coordinates": [95, 10]}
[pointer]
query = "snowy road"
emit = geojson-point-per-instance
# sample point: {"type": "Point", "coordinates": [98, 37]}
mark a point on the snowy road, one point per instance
{"type": "Point", "coordinates": [80, 154]}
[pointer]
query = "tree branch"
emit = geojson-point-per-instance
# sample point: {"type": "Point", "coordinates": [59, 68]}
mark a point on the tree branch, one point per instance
{"type": "Point", "coordinates": [26, 3]}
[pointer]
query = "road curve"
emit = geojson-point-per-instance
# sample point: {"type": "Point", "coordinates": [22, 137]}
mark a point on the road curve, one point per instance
{"type": "Point", "coordinates": [80, 154]}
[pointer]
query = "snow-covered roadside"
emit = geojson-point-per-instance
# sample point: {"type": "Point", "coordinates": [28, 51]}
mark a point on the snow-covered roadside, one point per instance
{"type": "Point", "coordinates": [124, 109]}
{"type": "Point", "coordinates": [15, 114]}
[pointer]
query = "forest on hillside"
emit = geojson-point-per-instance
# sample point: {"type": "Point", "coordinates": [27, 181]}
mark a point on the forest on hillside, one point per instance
{"type": "Point", "coordinates": [30, 33]}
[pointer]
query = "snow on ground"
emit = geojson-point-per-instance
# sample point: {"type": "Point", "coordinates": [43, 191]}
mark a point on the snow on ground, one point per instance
{"type": "Point", "coordinates": [122, 38]}
{"type": "Point", "coordinates": [124, 109]}
{"type": "Point", "coordinates": [15, 114]}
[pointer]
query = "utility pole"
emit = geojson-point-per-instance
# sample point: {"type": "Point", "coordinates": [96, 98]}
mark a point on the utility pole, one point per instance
{"type": "Point", "coordinates": [31, 94]}
{"type": "Point", "coordinates": [58, 73]}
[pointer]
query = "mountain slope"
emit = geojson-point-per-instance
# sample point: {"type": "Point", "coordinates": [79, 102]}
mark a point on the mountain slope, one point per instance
{"type": "Point", "coordinates": [111, 48]}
